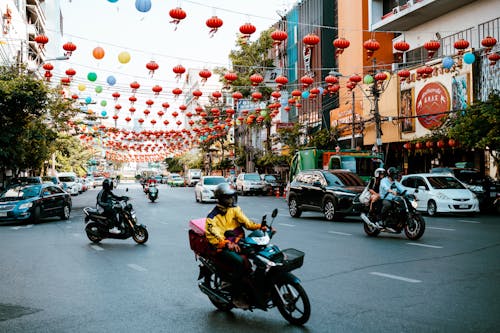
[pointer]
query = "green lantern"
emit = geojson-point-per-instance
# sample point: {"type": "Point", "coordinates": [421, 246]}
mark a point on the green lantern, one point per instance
{"type": "Point", "coordinates": [91, 76]}
{"type": "Point", "coordinates": [98, 89]}
{"type": "Point", "coordinates": [368, 79]}
{"type": "Point", "coordinates": [104, 103]}
{"type": "Point", "coordinates": [263, 113]}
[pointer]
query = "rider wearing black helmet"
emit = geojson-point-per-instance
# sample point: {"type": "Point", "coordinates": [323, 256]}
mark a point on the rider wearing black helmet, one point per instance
{"type": "Point", "coordinates": [105, 200]}
{"type": "Point", "coordinates": [224, 228]}
{"type": "Point", "coordinates": [390, 187]}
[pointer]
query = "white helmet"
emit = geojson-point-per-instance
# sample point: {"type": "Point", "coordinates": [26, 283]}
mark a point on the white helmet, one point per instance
{"type": "Point", "coordinates": [379, 171]}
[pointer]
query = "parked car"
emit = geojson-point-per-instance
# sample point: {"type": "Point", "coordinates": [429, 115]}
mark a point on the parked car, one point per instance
{"type": "Point", "coordinates": [247, 183]}
{"type": "Point", "coordinates": [26, 180]}
{"type": "Point", "coordinates": [98, 181]}
{"type": "Point", "coordinates": [70, 181]}
{"type": "Point", "coordinates": [193, 176]}
{"type": "Point", "coordinates": [273, 183]}
{"type": "Point", "coordinates": [174, 179]}
{"type": "Point", "coordinates": [485, 188]}
{"type": "Point", "coordinates": [32, 202]}
{"type": "Point", "coordinates": [53, 180]}
{"type": "Point", "coordinates": [440, 193]}
{"type": "Point", "coordinates": [328, 191]}
{"type": "Point", "coordinates": [204, 188]}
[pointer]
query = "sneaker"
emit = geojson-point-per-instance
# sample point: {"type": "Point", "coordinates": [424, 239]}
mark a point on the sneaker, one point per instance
{"type": "Point", "coordinates": [241, 302]}
{"type": "Point", "coordinates": [114, 230]}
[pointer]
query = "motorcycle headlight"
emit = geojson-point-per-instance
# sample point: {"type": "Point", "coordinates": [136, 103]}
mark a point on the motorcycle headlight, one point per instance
{"type": "Point", "coordinates": [414, 204]}
{"type": "Point", "coordinates": [26, 205]}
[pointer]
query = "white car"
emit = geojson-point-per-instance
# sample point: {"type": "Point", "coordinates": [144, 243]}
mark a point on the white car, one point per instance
{"type": "Point", "coordinates": [440, 193]}
{"type": "Point", "coordinates": [247, 183]}
{"type": "Point", "coordinates": [70, 184]}
{"type": "Point", "coordinates": [204, 189]}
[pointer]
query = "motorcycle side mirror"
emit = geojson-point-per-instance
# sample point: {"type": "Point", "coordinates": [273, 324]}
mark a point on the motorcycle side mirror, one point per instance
{"type": "Point", "coordinates": [275, 212]}
{"type": "Point", "coordinates": [264, 221]}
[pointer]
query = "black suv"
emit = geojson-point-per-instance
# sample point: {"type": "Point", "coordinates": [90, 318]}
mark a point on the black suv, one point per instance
{"type": "Point", "coordinates": [327, 191]}
{"type": "Point", "coordinates": [273, 183]}
{"type": "Point", "coordinates": [485, 188]}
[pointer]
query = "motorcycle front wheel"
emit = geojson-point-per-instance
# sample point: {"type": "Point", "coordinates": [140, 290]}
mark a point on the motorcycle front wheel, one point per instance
{"type": "Point", "coordinates": [140, 235]}
{"type": "Point", "coordinates": [213, 281]}
{"type": "Point", "coordinates": [370, 231]}
{"type": "Point", "coordinates": [292, 302]}
{"type": "Point", "coordinates": [93, 238]}
{"type": "Point", "coordinates": [414, 227]}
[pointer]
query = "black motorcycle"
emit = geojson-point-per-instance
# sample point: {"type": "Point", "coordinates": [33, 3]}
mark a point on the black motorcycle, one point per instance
{"type": "Point", "coordinates": [402, 215]}
{"type": "Point", "coordinates": [97, 225]}
{"type": "Point", "coordinates": [270, 281]}
{"type": "Point", "coordinates": [152, 192]}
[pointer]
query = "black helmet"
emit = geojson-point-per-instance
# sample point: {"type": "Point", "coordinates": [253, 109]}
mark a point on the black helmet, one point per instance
{"type": "Point", "coordinates": [225, 195]}
{"type": "Point", "coordinates": [107, 184]}
{"type": "Point", "coordinates": [393, 172]}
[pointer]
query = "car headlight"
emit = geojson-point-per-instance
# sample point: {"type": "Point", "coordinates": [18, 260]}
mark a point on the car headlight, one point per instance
{"type": "Point", "coordinates": [26, 205]}
{"type": "Point", "coordinates": [476, 188]}
{"type": "Point", "coordinates": [442, 196]}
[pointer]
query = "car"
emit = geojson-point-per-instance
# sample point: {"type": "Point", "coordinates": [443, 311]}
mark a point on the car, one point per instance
{"type": "Point", "coordinates": [329, 191]}
{"type": "Point", "coordinates": [26, 180]}
{"type": "Point", "coordinates": [174, 179]}
{"type": "Point", "coordinates": [70, 182]}
{"type": "Point", "coordinates": [273, 183]}
{"type": "Point", "coordinates": [204, 188]}
{"type": "Point", "coordinates": [53, 180]}
{"type": "Point", "coordinates": [97, 181]}
{"type": "Point", "coordinates": [247, 183]}
{"type": "Point", "coordinates": [440, 193]}
{"type": "Point", "coordinates": [485, 188]}
{"type": "Point", "coordinates": [30, 203]}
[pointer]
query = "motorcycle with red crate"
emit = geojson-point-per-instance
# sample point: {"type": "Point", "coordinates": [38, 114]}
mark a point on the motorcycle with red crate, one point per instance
{"type": "Point", "coordinates": [271, 282]}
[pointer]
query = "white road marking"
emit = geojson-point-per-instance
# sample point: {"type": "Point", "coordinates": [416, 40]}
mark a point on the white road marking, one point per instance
{"type": "Point", "coordinates": [396, 277]}
{"type": "Point", "coordinates": [76, 235]}
{"type": "Point", "coordinates": [287, 225]}
{"type": "Point", "coordinates": [425, 245]}
{"type": "Point", "coordinates": [97, 247]}
{"type": "Point", "coordinates": [339, 233]}
{"type": "Point", "coordinates": [21, 227]}
{"type": "Point", "coordinates": [165, 223]}
{"type": "Point", "coordinates": [436, 228]}
{"type": "Point", "coordinates": [469, 221]}
{"type": "Point", "coordinates": [137, 267]}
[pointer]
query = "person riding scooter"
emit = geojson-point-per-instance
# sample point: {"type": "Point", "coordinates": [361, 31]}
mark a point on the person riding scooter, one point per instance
{"type": "Point", "coordinates": [374, 188]}
{"type": "Point", "coordinates": [224, 228]}
{"type": "Point", "coordinates": [105, 199]}
{"type": "Point", "coordinates": [390, 187]}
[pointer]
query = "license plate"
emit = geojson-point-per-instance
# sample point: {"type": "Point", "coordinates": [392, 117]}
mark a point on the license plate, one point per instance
{"type": "Point", "coordinates": [3, 214]}
{"type": "Point", "coordinates": [463, 206]}
{"type": "Point", "coordinates": [493, 194]}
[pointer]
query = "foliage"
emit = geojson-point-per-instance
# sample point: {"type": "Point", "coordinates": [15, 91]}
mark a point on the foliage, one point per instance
{"type": "Point", "coordinates": [266, 163]}
{"type": "Point", "coordinates": [291, 138]}
{"type": "Point", "coordinates": [175, 164]}
{"type": "Point", "coordinates": [71, 155]}
{"type": "Point", "coordinates": [324, 139]}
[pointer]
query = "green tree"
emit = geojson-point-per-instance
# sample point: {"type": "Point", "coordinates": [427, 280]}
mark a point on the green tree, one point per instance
{"type": "Point", "coordinates": [324, 139]}
{"type": "Point", "coordinates": [175, 164]}
{"type": "Point", "coordinates": [71, 155]}
{"type": "Point", "coordinates": [478, 126]}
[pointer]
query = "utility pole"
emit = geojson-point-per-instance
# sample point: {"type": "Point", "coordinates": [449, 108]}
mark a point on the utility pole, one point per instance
{"type": "Point", "coordinates": [353, 138]}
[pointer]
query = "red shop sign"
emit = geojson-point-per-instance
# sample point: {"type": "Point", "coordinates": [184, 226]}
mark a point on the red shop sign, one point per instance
{"type": "Point", "coordinates": [433, 102]}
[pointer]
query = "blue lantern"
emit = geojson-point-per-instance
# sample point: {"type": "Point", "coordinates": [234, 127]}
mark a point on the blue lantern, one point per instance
{"type": "Point", "coordinates": [448, 62]}
{"type": "Point", "coordinates": [112, 1]}
{"type": "Point", "coordinates": [143, 5]}
{"type": "Point", "coordinates": [111, 80]}
{"type": "Point", "coordinates": [469, 58]}
{"type": "Point", "coordinates": [305, 94]}
{"type": "Point", "coordinates": [88, 100]}
{"type": "Point", "coordinates": [103, 113]}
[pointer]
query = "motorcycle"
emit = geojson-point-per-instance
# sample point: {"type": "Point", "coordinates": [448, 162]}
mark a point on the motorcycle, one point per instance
{"type": "Point", "coordinates": [97, 225]}
{"type": "Point", "coordinates": [152, 192]}
{"type": "Point", "coordinates": [402, 215]}
{"type": "Point", "coordinates": [270, 281]}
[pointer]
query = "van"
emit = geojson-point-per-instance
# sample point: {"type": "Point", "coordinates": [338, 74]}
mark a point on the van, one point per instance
{"type": "Point", "coordinates": [193, 176]}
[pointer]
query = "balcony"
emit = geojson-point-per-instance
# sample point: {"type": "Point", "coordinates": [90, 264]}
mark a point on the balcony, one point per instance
{"type": "Point", "coordinates": [411, 14]}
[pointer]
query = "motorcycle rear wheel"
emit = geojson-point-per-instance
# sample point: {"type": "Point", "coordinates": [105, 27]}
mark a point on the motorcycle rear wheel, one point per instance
{"type": "Point", "coordinates": [93, 238]}
{"type": "Point", "coordinates": [415, 227]}
{"type": "Point", "coordinates": [140, 235]}
{"type": "Point", "coordinates": [214, 281]}
{"type": "Point", "coordinates": [292, 302]}
{"type": "Point", "coordinates": [370, 231]}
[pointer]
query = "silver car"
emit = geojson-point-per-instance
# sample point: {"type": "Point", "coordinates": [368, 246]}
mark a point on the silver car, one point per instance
{"type": "Point", "coordinates": [247, 183]}
{"type": "Point", "coordinates": [204, 189]}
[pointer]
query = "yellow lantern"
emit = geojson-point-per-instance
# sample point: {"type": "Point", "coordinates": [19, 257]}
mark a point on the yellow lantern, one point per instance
{"type": "Point", "coordinates": [81, 87]}
{"type": "Point", "coordinates": [124, 57]}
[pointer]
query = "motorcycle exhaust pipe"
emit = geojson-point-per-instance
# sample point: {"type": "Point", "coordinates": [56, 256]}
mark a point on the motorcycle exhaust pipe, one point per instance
{"type": "Point", "coordinates": [209, 292]}
{"type": "Point", "coordinates": [367, 221]}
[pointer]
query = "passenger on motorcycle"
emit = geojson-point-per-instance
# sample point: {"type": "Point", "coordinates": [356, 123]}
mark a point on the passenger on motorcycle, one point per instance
{"type": "Point", "coordinates": [390, 187]}
{"type": "Point", "coordinates": [105, 199]}
{"type": "Point", "coordinates": [224, 228]}
{"type": "Point", "coordinates": [374, 188]}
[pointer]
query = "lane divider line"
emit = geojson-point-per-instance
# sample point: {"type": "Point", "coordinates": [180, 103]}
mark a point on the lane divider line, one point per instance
{"type": "Point", "coordinates": [137, 267]}
{"type": "Point", "coordinates": [425, 245]}
{"type": "Point", "coordinates": [97, 247]}
{"type": "Point", "coordinates": [396, 277]}
{"type": "Point", "coordinates": [287, 224]}
{"type": "Point", "coordinates": [445, 229]}
{"type": "Point", "coordinates": [339, 233]}
{"type": "Point", "coordinates": [469, 221]}
{"type": "Point", "coordinates": [22, 227]}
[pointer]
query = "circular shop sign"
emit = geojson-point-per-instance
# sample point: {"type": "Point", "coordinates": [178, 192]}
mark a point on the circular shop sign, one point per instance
{"type": "Point", "coordinates": [433, 102]}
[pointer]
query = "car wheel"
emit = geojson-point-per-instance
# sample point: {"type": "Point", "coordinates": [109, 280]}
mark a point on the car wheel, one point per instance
{"type": "Point", "coordinates": [35, 217]}
{"type": "Point", "coordinates": [293, 207]}
{"type": "Point", "coordinates": [431, 208]}
{"type": "Point", "coordinates": [329, 209]}
{"type": "Point", "coordinates": [65, 212]}
{"type": "Point", "coordinates": [196, 197]}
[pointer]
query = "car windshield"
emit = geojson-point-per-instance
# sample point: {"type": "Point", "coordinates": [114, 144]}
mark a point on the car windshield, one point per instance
{"type": "Point", "coordinates": [343, 179]}
{"type": "Point", "coordinates": [470, 176]}
{"type": "Point", "coordinates": [67, 178]}
{"type": "Point", "coordinates": [23, 192]}
{"type": "Point", "coordinates": [269, 178]}
{"type": "Point", "coordinates": [252, 176]}
{"type": "Point", "coordinates": [213, 181]}
{"type": "Point", "coordinates": [445, 183]}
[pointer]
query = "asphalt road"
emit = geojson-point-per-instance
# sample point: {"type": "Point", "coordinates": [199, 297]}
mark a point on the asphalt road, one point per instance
{"type": "Point", "coordinates": [53, 279]}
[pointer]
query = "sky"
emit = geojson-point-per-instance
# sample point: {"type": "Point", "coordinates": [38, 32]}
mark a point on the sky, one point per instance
{"type": "Point", "coordinates": [119, 27]}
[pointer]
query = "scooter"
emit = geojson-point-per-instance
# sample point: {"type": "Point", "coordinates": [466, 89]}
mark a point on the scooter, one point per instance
{"type": "Point", "coordinates": [97, 225]}
{"type": "Point", "coordinates": [152, 192]}
{"type": "Point", "coordinates": [270, 282]}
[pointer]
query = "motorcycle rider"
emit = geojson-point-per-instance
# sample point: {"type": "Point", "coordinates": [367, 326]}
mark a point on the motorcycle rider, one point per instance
{"type": "Point", "coordinates": [224, 228]}
{"type": "Point", "coordinates": [390, 187]}
{"type": "Point", "coordinates": [374, 188]}
{"type": "Point", "coordinates": [105, 199]}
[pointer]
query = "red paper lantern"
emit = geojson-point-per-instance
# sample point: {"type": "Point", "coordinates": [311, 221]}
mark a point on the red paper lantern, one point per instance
{"type": "Point", "coordinates": [146, 112]}
{"type": "Point", "coordinates": [488, 42]}
{"type": "Point", "coordinates": [281, 80]}
{"type": "Point", "coordinates": [330, 79]}
{"type": "Point", "coordinates": [197, 93]}
{"type": "Point", "coordinates": [276, 94]}
{"type": "Point", "coordinates": [247, 29]}
{"type": "Point", "coordinates": [70, 72]}
{"type": "Point", "coordinates": [401, 47]}
{"type": "Point", "coordinates": [132, 99]}
{"type": "Point", "coordinates": [440, 144]}
{"type": "Point", "coordinates": [407, 146]}
{"type": "Point", "coordinates": [256, 79]}
{"type": "Point", "coordinates": [371, 46]}
{"type": "Point", "coordinates": [429, 144]}
{"type": "Point", "coordinates": [256, 95]}
{"type": "Point", "coordinates": [340, 45]}
{"type": "Point", "coordinates": [493, 58]}
{"type": "Point", "coordinates": [380, 76]}
{"type": "Point", "coordinates": [216, 94]}
{"type": "Point", "coordinates": [204, 74]}
{"type": "Point", "coordinates": [404, 73]}
{"type": "Point", "coordinates": [157, 89]}
{"type": "Point", "coordinates": [127, 119]}
{"type": "Point", "coordinates": [132, 109]}
{"type": "Point", "coordinates": [418, 145]}
{"type": "Point", "coordinates": [48, 66]}
{"type": "Point", "coordinates": [230, 76]}
{"type": "Point", "coordinates": [69, 47]}
{"type": "Point", "coordinates": [165, 105]}
{"type": "Point", "coordinates": [452, 143]}
{"type": "Point", "coordinates": [152, 66]}
{"type": "Point", "coordinates": [41, 40]}
{"type": "Point", "coordinates": [310, 40]}
{"type": "Point", "coordinates": [116, 95]}
{"type": "Point", "coordinates": [65, 81]}
{"type": "Point", "coordinates": [177, 15]}
{"type": "Point", "coordinates": [214, 23]}
{"type": "Point", "coordinates": [115, 117]}
{"type": "Point", "coordinates": [150, 102]}
{"type": "Point", "coordinates": [135, 85]}
{"type": "Point", "coordinates": [296, 93]}
{"type": "Point", "coordinates": [461, 45]}
{"type": "Point", "coordinates": [278, 36]}
{"type": "Point", "coordinates": [237, 95]}
{"type": "Point", "coordinates": [306, 81]}
{"type": "Point", "coordinates": [177, 91]}
{"type": "Point", "coordinates": [432, 46]}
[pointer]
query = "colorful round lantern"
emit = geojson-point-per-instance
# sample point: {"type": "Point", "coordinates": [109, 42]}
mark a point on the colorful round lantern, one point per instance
{"type": "Point", "coordinates": [469, 58]}
{"type": "Point", "coordinates": [124, 57]}
{"type": "Point", "coordinates": [98, 53]}
{"type": "Point", "coordinates": [143, 5]}
{"type": "Point", "coordinates": [91, 76]}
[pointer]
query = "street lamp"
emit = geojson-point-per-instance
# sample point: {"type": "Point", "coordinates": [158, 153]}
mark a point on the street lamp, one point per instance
{"type": "Point", "coordinates": [65, 57]}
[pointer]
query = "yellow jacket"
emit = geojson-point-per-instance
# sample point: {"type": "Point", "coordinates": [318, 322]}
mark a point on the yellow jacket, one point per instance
{"type": "Point", "coordinates": [222, 219]}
